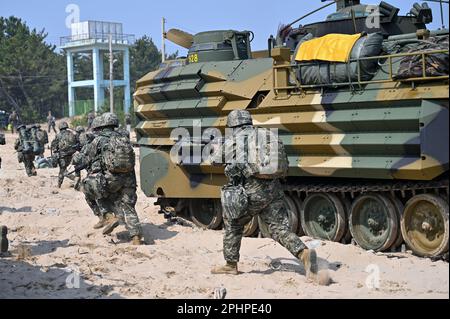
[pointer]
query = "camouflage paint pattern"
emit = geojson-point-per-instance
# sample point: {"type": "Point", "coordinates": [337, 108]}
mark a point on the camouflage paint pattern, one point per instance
{"type": "Point", "coordinates": [381, 131]}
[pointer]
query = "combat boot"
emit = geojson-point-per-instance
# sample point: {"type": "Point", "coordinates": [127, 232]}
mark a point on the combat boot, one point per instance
{"type": "Point", "coordinates": [3, 239]}
{"type": "Point", "coordinates": [111, 223]}
{"type": "Point", "coordinates": [230, 268]}
{"type": "Point", "coordinates": [136, 240]}
{"type": "Point", "coordinates": [101, 223]}
{"type": "Point", "coordinates": [309, 259]}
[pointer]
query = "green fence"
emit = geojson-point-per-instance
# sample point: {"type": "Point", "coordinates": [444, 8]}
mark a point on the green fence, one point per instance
{"type": "Point", "coordinates": [83, 107]}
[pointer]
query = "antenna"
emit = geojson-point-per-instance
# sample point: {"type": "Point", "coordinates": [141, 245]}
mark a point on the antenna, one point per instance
{"type": "Point", "coordinates": [163, 45]}
{"type": "Point", "coordinates": [307, 15]}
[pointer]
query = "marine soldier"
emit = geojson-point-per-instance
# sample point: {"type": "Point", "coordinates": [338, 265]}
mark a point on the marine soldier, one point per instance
{"type": "Point", "coordinates": [2, 142]}
{"type": "Point", "coordinates": [13, 120]}
{"type": "Point", "coordinates": [90, 119]}
{"type": "Point", "coordinates": [110, 187]}
{"type": "Point", "coordinates": [83, 139]}
{"type": "Point", "coordinates": [64, 146]}
{"type": "Point", "coordinates": [3, 229]}
{"type": "Point", "coordinates": [40, 138]}
{"type": "Point", "coordinates": [4, 244]}
{"type": "Point", "coordinates": [79, 130]}
{"type": "Point", "coordinates": [25, 150]}
{"type": "Point", "coordinates": [51, 122]}
{"type": "Point", "coordinates": [250, 196]}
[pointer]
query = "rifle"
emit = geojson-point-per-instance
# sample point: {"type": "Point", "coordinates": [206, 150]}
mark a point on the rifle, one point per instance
{"type": "Point", "coordinates": [77, 170]}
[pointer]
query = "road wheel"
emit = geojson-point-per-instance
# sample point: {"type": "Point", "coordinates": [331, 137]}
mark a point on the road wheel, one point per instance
{"type": "Point", "coordinates": [374, 222]}
{"type": "Point", "coordinates": [323, 217]}
{"type": "Point", "coordinates": [206, 213]}
{"type": "Point", "coordinates": [425, 225]}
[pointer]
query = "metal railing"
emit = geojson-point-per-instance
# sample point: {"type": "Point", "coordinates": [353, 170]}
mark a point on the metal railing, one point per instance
{"type": "Point", "coordinates": [126, 39]}
{"type": "Point", "coordinates": [359, 82]}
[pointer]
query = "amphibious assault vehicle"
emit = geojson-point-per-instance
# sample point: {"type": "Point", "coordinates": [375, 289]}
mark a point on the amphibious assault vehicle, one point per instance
{"type": "Point", "coordinates": [360, 101]}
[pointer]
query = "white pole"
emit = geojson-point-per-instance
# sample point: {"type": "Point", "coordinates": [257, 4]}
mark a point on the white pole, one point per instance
{"type": "Point", "coordinates": [111, 68]}
{"type": "Point", "coordinates": [163, 45]}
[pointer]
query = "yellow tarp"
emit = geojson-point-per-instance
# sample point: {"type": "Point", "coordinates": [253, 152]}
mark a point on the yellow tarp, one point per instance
{"type": "Point", "coordinates": [331, 47]}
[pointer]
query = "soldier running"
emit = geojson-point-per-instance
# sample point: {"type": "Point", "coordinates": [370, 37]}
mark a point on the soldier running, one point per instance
{"type": "Point", "coordinates": [41, 138]}
{"type": "Point", "coordinates": [252, 196]}
{"type": "Point", "coordinates": [64, 146]}
{"type": "Point", "coordinates": [25, 150]}
{"type": "Point", "coordinates": [2, 142]}
{"type": "Point", "coordinates": [3, 229]}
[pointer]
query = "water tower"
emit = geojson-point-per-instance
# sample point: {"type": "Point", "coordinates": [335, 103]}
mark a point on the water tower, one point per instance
{"type": "Point", "coordinates": [97, 38]}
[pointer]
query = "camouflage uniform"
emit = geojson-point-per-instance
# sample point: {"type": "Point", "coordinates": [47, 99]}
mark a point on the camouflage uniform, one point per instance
{"type": "Point", "coordinates": [2, 142]}
{"type": "Point", "coordinates": [3, 230]}
{"type": "Point", "coordinates": [266, 200]}
{"type": "Point", "coordinates": [42, 138]}
{"type": "Point", "coordinates": [83, 139]}
{"type": "Point", "coordinates": [51, 123]}
{"type": "Point", "coordinates": [264, 196]}
{"type": "Point", "coordinates": [90, 119]}
{"type": "Point", "coordinates": [25, 155]}
{"type": "Point", "coordinates": [106, 192]}
{"type": "Point", "coordinates": [4, 243]}
{"type": "Point", "coordinates": [14, 121]}
{"type": "Point", "coordinates": [64, 155]}
{"type": "Point", "coordinates": [79, 130]}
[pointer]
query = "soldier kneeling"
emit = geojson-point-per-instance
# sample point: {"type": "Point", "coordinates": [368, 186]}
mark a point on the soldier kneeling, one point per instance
{"type": "Point", "coordinates": [110, 187]}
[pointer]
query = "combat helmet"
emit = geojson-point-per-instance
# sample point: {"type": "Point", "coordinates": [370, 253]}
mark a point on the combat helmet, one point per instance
{"type": "Point", "coordinates": [105, 120]}
{"type": "Point", "coordinates": [63, 126]}
{"type": "Point", "coordinates": [21, 126]}
{"type": "Point", "coordinates": [239, 118]}
{"type": "Point", "coordinates": [80, 129]}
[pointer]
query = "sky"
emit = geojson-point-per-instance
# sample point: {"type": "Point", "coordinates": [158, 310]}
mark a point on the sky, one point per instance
{"type": "Point", "coordinates": [143, 17]}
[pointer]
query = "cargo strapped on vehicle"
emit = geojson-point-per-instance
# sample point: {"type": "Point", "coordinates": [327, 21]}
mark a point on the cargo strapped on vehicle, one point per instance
{"type": "Point", "coordinates": [331, 47]}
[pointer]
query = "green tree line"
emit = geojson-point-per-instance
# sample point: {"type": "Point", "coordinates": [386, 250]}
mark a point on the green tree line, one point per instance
{"type": "Point", "coordinates": [33, 74]}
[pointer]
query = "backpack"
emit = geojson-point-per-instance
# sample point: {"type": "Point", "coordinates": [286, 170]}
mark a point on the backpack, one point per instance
{"type": "Point", "coordinates": [25, 141]}
{"type": "Point", "coordinates": [118, 155]}
{"type": "Point", "coordinates": [267, 158]}
{"type": "Point", "coordinates": [67, 143]}
{"type": "Point", "coordinates": [38, 148]}
{"type": "Point", "coordinates": [42, 137]}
